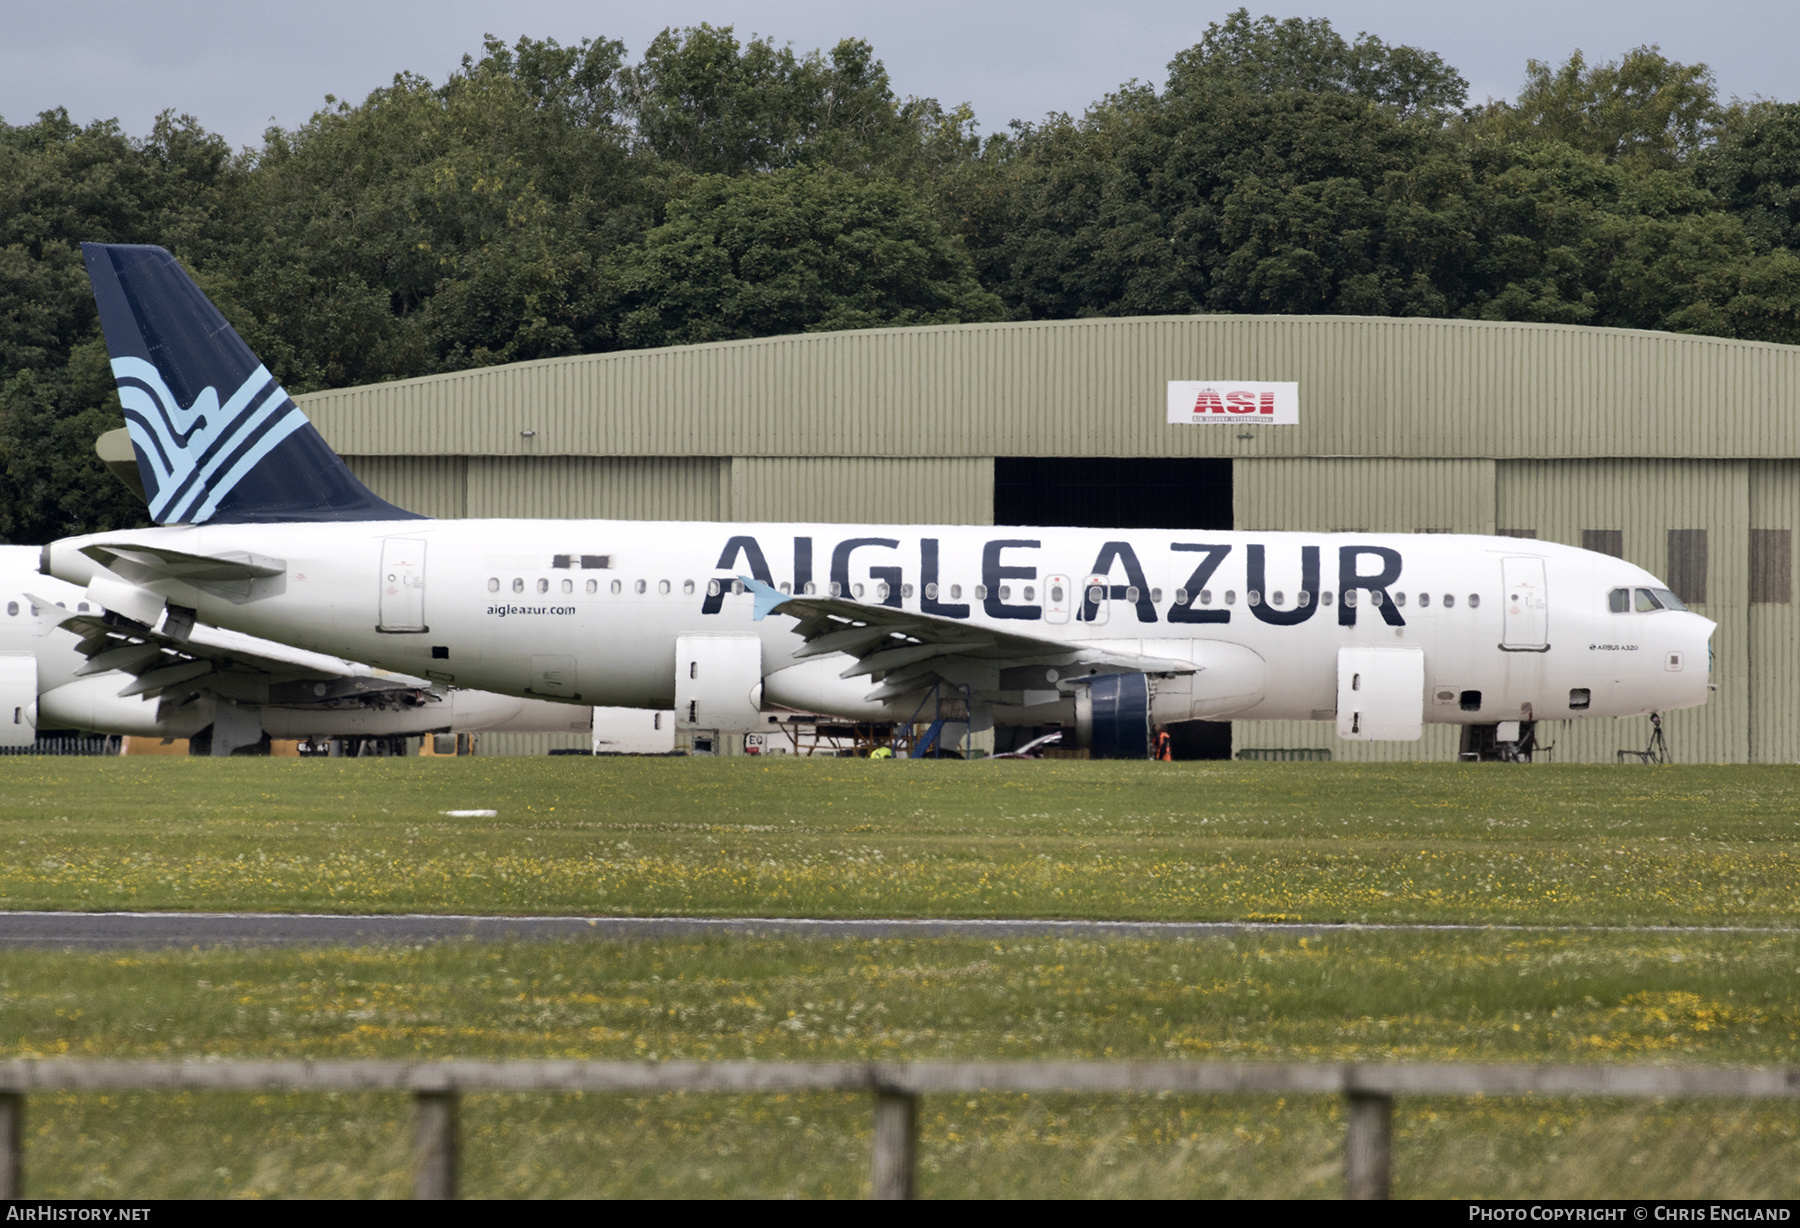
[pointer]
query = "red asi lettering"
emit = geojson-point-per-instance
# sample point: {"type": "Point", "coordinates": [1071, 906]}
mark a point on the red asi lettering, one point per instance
{"type": "Point", "coordinates": [1209, 403]}
{"type": "Point", "coordinates": [1240, 402]}
{"type": "Point", "coordinates": [1268, 403]}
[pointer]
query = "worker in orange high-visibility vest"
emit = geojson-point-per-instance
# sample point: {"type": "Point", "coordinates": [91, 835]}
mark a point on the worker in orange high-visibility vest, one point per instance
{"type": "Point", "coordinates": [1165, 752]}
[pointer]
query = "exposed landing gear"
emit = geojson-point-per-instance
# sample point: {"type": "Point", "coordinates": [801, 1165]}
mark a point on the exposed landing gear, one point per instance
{"type": "Point", "coordinates": [1505, 742]}
{"type": "Point", "coordinates": [1657, 751]}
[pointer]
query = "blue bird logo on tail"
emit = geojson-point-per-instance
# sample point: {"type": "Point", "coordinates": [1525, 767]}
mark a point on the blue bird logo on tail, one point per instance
{"type": "Point", "coordinates": [201, 453]}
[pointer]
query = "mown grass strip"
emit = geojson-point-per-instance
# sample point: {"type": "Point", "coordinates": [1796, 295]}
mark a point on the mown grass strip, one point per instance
{"type": "Point", "coordinates": [836, 838]}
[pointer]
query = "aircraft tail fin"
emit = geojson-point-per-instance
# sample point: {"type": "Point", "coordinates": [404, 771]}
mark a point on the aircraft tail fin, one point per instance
{"type": "Point", "coordinates": [217, 438]}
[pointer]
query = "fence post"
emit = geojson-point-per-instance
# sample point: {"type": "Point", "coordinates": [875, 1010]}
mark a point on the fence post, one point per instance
{"type": "Point", "coordinates": [896, 1144]}
{"type": "Point", "coordinates": [434, 1147]}
{"type": "Point", "coordinates": [1368, 1145]}
{"type": "Point", "coordinates": [12, 1145]}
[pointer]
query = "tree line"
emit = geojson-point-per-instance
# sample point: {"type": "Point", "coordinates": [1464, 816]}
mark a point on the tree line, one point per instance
{"type": "Point", "coordinates": [548, 200]}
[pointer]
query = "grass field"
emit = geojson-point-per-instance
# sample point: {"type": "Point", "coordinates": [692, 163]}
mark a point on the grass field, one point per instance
{"type": "Point", "coordinates": [1464, 996]}
{"type": "Point", "coordinates": [1575, 845]}
{"type": "Point", "coordinates": [835, 838]}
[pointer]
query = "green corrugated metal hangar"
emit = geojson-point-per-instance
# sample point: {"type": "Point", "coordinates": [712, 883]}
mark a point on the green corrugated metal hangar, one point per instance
{"type": "Point", "coordinates": [1679, 453]}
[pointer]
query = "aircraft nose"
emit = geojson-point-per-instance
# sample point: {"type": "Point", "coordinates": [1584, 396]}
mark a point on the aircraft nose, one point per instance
{"type": "Point", "coordinates": [1697, 638]}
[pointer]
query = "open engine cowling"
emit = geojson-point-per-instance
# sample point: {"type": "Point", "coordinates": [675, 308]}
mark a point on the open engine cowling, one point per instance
{"type": "Point", "coordinates": [1112, 716]}
{"type": "Point", "coordinates": [1115, 713]}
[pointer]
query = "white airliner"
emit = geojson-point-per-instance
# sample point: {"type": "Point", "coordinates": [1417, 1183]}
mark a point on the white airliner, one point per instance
{"type": "Point", "coordinates": [65, 665]}
{"type": "Point", "coordinates": [265, 531]}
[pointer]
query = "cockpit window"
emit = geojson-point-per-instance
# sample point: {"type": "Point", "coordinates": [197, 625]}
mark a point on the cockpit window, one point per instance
{"type": "Point", "coordinates": [1668, 600]}
{"type": "Point", "coordinates": [1646, 601]}
{"type": "Point", "coordinates": [1657, 599]}
{"type": "Point", "coordinates": [1619, 600]}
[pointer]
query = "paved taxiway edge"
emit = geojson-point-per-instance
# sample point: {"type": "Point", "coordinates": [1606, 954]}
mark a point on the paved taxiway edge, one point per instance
{"type": "Point", "coordinates": [105, 930]}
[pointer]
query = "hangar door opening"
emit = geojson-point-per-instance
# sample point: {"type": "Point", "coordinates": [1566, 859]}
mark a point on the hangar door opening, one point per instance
{"type": "Point", "coordinates": [1120, 492]}
{"type": "Point", "coordinates": [1112, 492]}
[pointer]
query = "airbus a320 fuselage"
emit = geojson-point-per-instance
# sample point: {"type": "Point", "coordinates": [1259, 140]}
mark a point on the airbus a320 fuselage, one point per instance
{"type": "Point", "coordinates": [268, 533]}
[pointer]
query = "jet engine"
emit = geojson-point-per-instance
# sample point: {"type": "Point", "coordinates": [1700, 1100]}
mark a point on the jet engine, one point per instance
{"type": "Point", "coordinates": [1114, 713]}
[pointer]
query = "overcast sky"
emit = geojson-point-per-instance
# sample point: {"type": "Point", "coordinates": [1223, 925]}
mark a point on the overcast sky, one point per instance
{"type": "Point", "coordinates": [239, 66]}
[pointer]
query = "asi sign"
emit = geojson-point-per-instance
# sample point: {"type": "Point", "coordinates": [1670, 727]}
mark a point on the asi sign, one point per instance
{"type": "Point", "coordinates": [1199, 402]}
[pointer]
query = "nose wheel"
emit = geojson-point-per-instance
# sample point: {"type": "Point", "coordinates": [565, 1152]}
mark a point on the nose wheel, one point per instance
{"type": "Point", "coordinates": [1657, 751]}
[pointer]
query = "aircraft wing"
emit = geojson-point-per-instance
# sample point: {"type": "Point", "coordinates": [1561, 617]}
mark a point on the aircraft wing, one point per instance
{"type": "Point", "coordinates": [902, 651]}
{"type": "Point", "coordinates": [174, 665]}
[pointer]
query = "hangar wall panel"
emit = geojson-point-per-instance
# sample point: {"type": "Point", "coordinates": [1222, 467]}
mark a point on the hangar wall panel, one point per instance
{"type": "Point", "coordinates": [1371, 495]}
{"type": "Point", "coordinates": [435, 486]}
{"type": "Point", "coordinates": [531, 743]}
{"type": "Point", "coordinates": [1439, 743]}
{"type": "Point", "coordinates": [1646, 499]}
{"type": "Point", "coordinates": [855, 489]}
{"type": "Point", "coordinates": [597, 487]}
{"type": "Point", "coordinates": [1368, 387]}
{"type": "Point", "coordinates": [1775, 625]}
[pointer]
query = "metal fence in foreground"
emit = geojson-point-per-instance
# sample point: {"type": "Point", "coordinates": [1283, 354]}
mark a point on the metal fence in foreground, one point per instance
{"type": "Point", "coordinates": [436, 1087]}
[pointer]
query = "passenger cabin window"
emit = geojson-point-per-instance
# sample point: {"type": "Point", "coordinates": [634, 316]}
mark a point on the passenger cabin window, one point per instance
{"type": "Point", "coordinates": [1449, 600]}
{"type": "Point", "coordinates": [12, 609]}
{"type": "Point", "coordinates": [518, 584]}
{"type": "Point", "coordinates": [1424, 600]}
{"type": "Point", "coordinates": [1619, 600]}
{"type": "Point", "coordinates": [543, 586]}
{"type": "Point", "coordinates": [593, 586]}
{"type": "Point", "coordinates": [493, 584]}
{"type": "Point", "coordinates": [618, 586]}
{"type": "Point", "coordinates": [955, 591]}
{"type": "Point", "coordinates": [641, 586]}
{"type": "Point", "coordinates": [662, 587]}
{"type": "Point", "coordinates": [568, 586]}
{"type": "Point", "coordinates": [687, 587]}
{"type": "Point", "coordinates": [1474, 600]}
